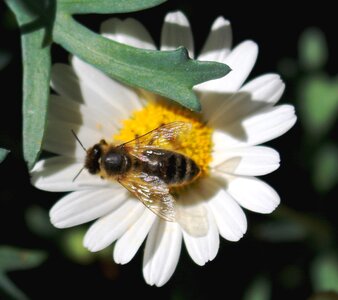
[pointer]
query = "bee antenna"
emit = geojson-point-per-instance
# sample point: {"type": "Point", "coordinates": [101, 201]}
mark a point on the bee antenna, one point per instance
{"type": "Point", "coordinates": [78, 173]}
{"type": "Point", "coordinates": [78, 142]}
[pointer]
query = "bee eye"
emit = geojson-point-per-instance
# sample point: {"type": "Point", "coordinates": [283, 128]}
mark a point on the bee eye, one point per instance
{"type": "Point", "coordinates": [92, 162]}
{"type": "Point", "coordinates": [97, 151]}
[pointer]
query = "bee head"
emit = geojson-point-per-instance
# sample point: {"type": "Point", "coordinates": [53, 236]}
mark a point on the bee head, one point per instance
{"type": "Point", "coordinates": [93, 156]}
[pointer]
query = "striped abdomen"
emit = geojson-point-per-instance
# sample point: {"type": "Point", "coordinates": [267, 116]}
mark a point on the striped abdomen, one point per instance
{"type": "Point", "coordinates": [171, 167]}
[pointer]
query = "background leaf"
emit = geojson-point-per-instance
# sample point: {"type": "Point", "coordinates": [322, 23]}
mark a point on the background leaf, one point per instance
{"type": "Point", "coordinates": [38, 221]}
{"type": "Point", "coordinates": [324, 273]}
{"type": "Point", "coordinates": [12, 258]}
{"type": "Point", "coordinates": [72, 244]}
{"type": "Point", "coordinates": [106, 6]}
{"type": "Point", "coordinates": [168, 73]}
{"type": "Point", "coordinates": [3, 154]}
{"type": "Point", "coordinates": [318, 97]}
{"type": "Point", "coordinates": [313, 52]}
{"type": "Point", "coordinates": [260, 289]}
{"type": "Point", "coordinates": [325, 169]}
{"type": "Point", "coordinates": [8, 288]}
{"type": "Point", "coordinates": [36, 75]}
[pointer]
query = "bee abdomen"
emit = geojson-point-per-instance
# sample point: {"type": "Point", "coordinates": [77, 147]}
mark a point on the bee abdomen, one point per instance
{"type": "Point", "coordinates": [179, 169]}
{"type": "Point", "coordinates": [171, 167]}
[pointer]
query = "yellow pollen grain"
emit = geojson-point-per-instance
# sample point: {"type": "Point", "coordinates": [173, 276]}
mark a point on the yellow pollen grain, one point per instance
{"type": "Point", "coordinates": [197, 144]}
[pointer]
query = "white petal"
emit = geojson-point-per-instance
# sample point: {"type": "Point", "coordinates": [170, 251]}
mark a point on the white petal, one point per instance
{"type": "Point", "coordinates": [218, 43]}
{"type": "Point", "coordinates": [130, 32]}
{"type": "Point", "coordinates": [229, 216]}
{"type": "Point", "coordinates": [267, 88]}
{"type": "Point", "coordinates": [161, 252]}
{"type": "Point", "coordinates": [213, 104]}
{"type": "Point", "coordinates": [129, 243]}
{"type": "Point", "coordinates": [118, 98]}
{"type": "Point", "coordinates": [253, 194]}
{"type": "Point", "coordinates": [67, 83]}
{"type": "Point", "coordinates": [241, 60]}
{"type": "Point", "coordinates": [112, 226]}
{"type": "Point", "coordinates": [257, 128]}
{"type": "Point", "coordinates": [57, 175]}
{"type": "Point", "coordinates": [176, 32]}
{"type": "Point", "coordinates": [261, 92]}
{"type": "Point", "coordinates": [60, 140]}
{"type": "Point", "coordinates": [205, 248]}
{"type": "Point", "coordinates": [249, 161]}
{"type": "Point", "coordinates": [83, 206]}
{"type": "Point", "coordinates": [63, 109]}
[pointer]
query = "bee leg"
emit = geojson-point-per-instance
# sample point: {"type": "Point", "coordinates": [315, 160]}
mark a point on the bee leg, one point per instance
{"type": "Point", "coordinates": [137, 142]}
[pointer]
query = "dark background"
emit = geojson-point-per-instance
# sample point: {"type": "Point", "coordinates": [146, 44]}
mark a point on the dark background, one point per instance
{"type": "Point", "coordinates": [284, 264]}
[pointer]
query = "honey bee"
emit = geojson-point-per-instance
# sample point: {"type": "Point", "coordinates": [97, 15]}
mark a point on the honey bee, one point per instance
{"type": "Point", "coordinates": [148, 166]}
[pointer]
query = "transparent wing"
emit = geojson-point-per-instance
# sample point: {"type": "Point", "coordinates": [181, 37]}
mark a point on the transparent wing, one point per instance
{"type": "Point", "coordinates": [193, 219]}
{"type": "Point", "coordinates": [165, 136]}
{"type": "Point", "coordinates": [153, 193]}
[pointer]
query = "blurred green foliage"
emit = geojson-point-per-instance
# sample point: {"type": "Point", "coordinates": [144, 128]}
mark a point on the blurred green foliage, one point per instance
{"type": "Point", "coordinates": [14, 259]}
{"type": "Point", "coordinates": [260, 289]}
{"type": "Point", "coordinates": [325, 168]}
{"type": "Point", "coordinates": [324, 272]}
{"type": "Point", "coordinates": [317, 95]}
{"type": "Point", "coordinates": [313, 52]}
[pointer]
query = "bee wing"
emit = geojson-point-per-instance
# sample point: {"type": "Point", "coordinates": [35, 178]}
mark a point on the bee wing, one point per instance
{"type": "Point", "coordinates": [165, 136]}
{"type": "Point", "coordinates": [193, 219]}
{"type": "Point", "coordinates": [153, 193]}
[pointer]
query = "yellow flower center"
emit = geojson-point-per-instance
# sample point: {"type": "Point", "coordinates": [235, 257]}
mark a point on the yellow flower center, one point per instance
{"type": "Point", "coordinates": [197, 145]}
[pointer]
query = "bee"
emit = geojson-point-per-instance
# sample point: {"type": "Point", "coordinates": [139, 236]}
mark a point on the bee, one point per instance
{"type": "Point", "coordinates": [148, 166]}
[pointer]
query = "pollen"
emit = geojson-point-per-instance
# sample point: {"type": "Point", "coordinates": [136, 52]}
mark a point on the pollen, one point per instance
{"type": "Point", "coordinates": [196, 144]}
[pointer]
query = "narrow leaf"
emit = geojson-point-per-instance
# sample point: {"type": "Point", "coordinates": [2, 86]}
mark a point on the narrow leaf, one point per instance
{"type": "Point", "coordinates": [12, 258]}
{"type": "Point", "coordinates": [105, 6]}
{"type": "Point", "coordinates": [171, 74]}
{"type": "Point", "coordinates": [10, 289]}
{"type": "Point", "coordinates": [3, 154]}
{"type": "Point", "coordinates": [36, 74]}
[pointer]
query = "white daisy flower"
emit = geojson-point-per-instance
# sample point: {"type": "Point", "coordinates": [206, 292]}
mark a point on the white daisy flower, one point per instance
{"type": "Point", "coordinates": [224, 141]}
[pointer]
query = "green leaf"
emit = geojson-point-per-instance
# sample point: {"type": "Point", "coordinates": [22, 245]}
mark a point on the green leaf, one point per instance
{"type": "Point", "coordinates": [36, 76]}
{"type": "Point", "coordinates": [168, 73]}
{"type": "Point", "coordinates": [105, 6]}
{"type": "Point", "coordinates": [3, 154]}
{"type": "Point", "coordinates": [324, 273]}
{"type": "Point", "coordinates": [325, 169]}
{"type": "Point", "coordinates": [313, 52]}
{"type": "Point", "coordinates": [319, 104]}
{"type": "Point", "coordinates": [260, 289]}
{"type": "Point", "coordinates": [12, 258]}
